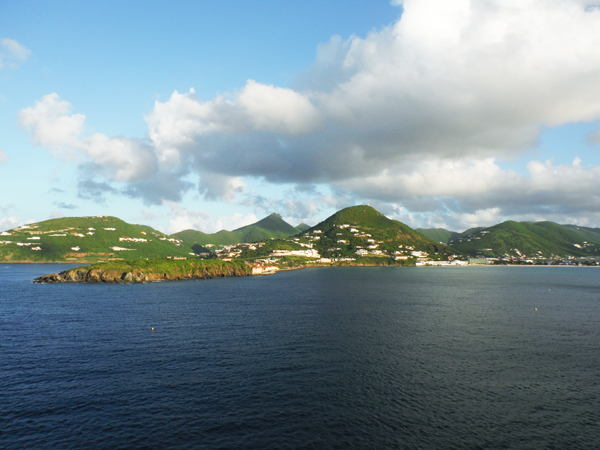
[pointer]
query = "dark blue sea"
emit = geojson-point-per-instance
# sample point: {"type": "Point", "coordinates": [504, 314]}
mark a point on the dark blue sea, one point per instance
{"type": "Point", "coordinates": [330, 358]}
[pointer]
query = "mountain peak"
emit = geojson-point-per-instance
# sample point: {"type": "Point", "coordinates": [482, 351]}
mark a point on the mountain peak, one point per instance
{"type": "Point", "coordinates": [360, 214]}
{"type": "Point", "coordinates": [272, 226]}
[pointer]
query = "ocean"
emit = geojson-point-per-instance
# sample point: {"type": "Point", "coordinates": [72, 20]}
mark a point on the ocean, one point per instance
{"type": "Point", "coordinates": [321, 358]}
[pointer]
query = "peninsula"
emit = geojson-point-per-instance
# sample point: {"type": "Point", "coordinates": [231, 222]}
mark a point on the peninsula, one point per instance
{"type": "Point", "coordinates": [150, 270]}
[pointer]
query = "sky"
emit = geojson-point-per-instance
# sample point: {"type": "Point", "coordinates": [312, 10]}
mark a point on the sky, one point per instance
{"type": "Point", "coordinates": [213, 114]}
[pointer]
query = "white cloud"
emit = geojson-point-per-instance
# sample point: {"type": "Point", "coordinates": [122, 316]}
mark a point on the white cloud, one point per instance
{"type": "Point", "coordinates": [234, 222]}
{"type": "Point", "coordinates": [293, 206]}
{"type": "Point", "coordinates": [463, 191]}
{"type": "Point", "coordinates": [16, 50]}
{"type": "Point", "coordinates": [184, 219]}
{"type": "Point", "coordinates": [125, 159]}
{"type": "Point", "coordinates": [2, 156]}
{"type": "Point", "coordinates": [219, 187]}
{"type": "Point", "coordinates": [479, 218]}
{"type": "Point", "coordinates": [51, 124]}
{"type": "Point", "coordinates": [434, 178]}
{"type": "Point", "coordinates": [175, 126]}
{"type": "Point", "coordinates": [148, 215]}
{"type": "Point", "coordinates": [276, 109]}
{"type": "Point", "coordinates": [12, 52]}
{"type": "Point", "coordinates": [8, 222]}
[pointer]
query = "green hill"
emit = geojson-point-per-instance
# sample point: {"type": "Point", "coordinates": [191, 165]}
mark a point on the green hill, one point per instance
{"type": "Point", "coordinates": [531, 240]}
{"type": "Point", "coordinates": [357, 233]}
{"type": "Point", "coordinates": [302, 227]}
{"type": "Point", "coordinates": [361, 234]}
{"type": "Point", "coordinates": [585, 233]}
{"type": "Point", "coordinates": [445, 236]}
{"type": "Point", "coordinates": [192, 237]}
{"type": "Point", "coordinates": [86, 239]}
{"type": "Point", "coordinates": [362, 227]}
{"type": "Point", "coordinates": [271, 227]}
{"type": "Point", "coordinates": [438, 234]}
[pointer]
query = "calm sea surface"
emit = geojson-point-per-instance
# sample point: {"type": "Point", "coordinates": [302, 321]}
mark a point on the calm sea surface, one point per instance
{"type": "Point", "coordinates": [347, 358]}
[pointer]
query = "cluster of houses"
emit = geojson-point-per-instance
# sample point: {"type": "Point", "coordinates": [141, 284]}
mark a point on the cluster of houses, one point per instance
{"type": "Point", "coordinates": [228, 252]}
{"type": "Point", "coordinates": [175, 241]}
{"type": "Point", "coordinates": [455, 262]}
{"type": "Point", "coordinates": [309, 253]}
{"type": "Point", "coordinates": [132, 239]}
{"type": "Point", "coordinates": [518, 257]}
{"type": "Point", "coordinates": [470, 237]}
{"type": "Point", "coordinates": [36, 235]}
{"type": "Point", "coordinates": [371, 247]}
{"type": "Point", "coordinates": [264, 267]}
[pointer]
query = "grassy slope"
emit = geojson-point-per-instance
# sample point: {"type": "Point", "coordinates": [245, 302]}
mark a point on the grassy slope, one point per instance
{"type": "Point", "coordinates": [92, 247]}
{"type": "Point", "coordinates": [388, 234]}
{"type": "Point", "coordinates": [437, 234]}
{"type": "Point", "coordinates": [165, 266]}
{"type": "Point", "coordinates": [547, 238]}
{"type": "Point", "coordinates": [223, 237]}
{"type": "Point", "coordinates": [585, 233]}
{"type": "Point", "coordinates": [157, 269]}
{"type": "Point", "coordinates": [302, 227]}
{"type": "Point", "coordinates": [272, 226]}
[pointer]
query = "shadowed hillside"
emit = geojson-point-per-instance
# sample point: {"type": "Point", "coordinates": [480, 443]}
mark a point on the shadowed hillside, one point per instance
{"type": "Point", "coordinates": [272, 226]}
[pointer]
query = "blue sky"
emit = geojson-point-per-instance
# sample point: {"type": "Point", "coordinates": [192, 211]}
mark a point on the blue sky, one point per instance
{"type": "Point", "coordinates": [211, 115]}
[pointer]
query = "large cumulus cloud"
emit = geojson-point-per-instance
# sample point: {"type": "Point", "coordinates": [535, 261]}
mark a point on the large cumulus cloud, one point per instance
{"type": "Point", "coordinates": [448, 81]}
{"type": "Point", "coordinates": [418, 113]}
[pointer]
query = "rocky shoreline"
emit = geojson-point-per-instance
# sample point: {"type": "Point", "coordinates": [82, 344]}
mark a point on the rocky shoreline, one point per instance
{"type": "Point", "coordinates": [100, 275]}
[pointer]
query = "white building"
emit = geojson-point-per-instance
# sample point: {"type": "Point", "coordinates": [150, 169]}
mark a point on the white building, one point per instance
{"type": "Point", "coordinates": [306, 253]}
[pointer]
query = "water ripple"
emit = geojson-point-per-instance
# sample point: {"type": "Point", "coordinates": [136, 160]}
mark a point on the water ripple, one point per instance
{"type": "Point", "coordinates": [342, 358]}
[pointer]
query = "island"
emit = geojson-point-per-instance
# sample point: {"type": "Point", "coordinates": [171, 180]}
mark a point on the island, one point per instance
{"type": "Point", "coordinates": [354, 236]}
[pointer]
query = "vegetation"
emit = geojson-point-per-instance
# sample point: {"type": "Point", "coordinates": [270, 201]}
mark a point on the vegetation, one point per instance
{"type": "Point", "coordinates": [165, 265]}
{"type": "Point", "coordinates": [302, 227]}
{"type": "Point", "coordinates": [437, 234]}
{"type": "Point", "coordinates": [86, 239]}
{"type": "Point", "coordinates": [374, 229]}
{"type": "Point", "coordinates": [537, 240]}
{"type": "Point", "coordinates": [444, 236]}
{"type": "Point", "coordinates": [358, 235]}
{"type": "Point", "coordinates": [272, 226]}
{"type": "Point", "coordinates": [156, 269]}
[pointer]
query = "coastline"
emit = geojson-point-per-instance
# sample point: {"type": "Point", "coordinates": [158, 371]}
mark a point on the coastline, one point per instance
{"type": "Point", "coordinates": [169, 270]}
{"type": "Point", "coordinates": [146, 271]}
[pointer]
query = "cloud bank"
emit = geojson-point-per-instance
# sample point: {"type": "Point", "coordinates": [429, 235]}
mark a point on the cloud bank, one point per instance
{"type": "Point", "coordinates": [418, 113]}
